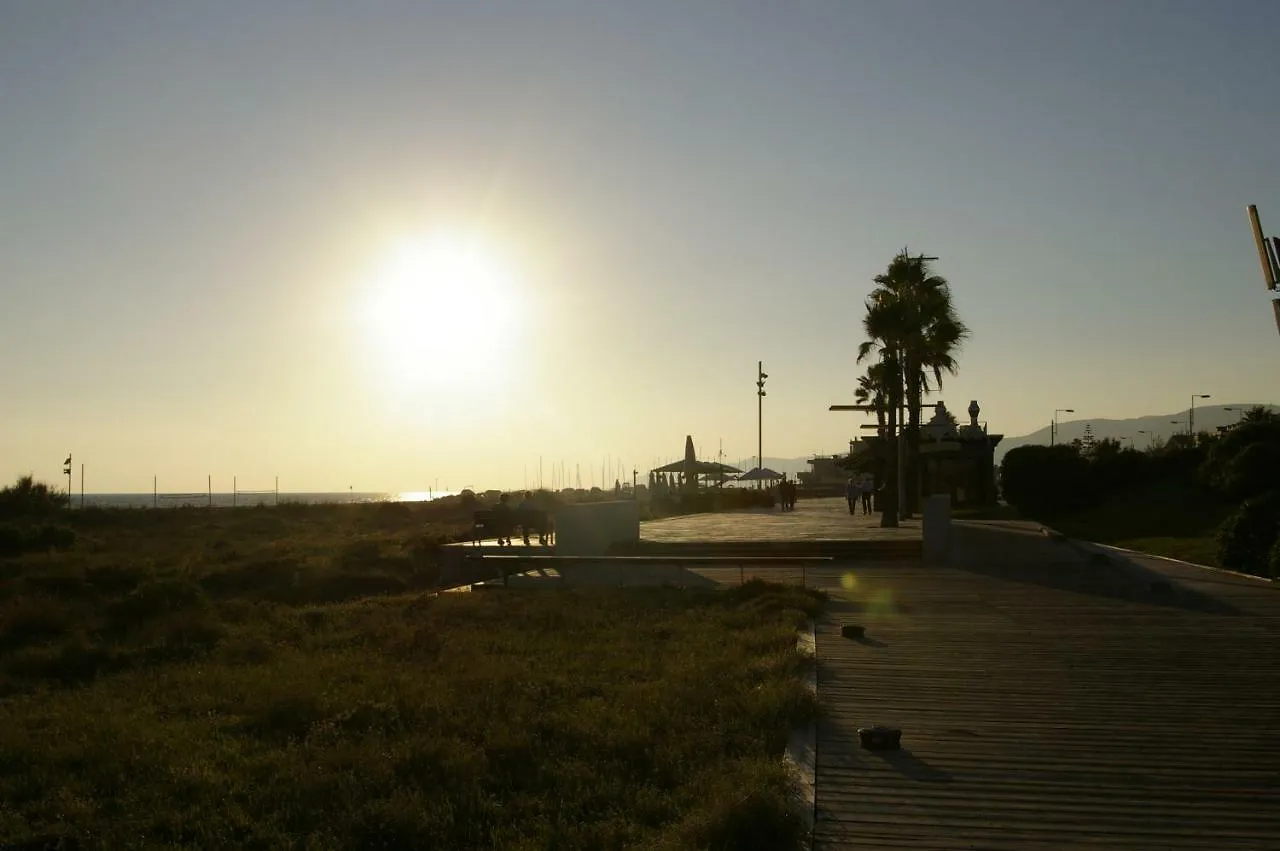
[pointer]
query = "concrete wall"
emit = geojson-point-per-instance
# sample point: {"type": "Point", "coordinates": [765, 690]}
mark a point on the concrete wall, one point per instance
{"type": "Point", "coordinates": [936, 528]}
{"type": "Point", "coordinates": [587, 529]}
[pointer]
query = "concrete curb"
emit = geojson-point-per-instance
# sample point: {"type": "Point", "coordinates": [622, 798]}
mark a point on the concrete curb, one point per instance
{"type": "Point", "coordinates": [1093, 546]}
{"type": "Point", "coordinates": [801, 755]}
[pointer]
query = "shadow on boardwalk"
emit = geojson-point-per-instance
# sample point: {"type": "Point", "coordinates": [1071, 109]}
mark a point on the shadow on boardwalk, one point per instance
{"type": "Point", "coordinates": [1058, 563]}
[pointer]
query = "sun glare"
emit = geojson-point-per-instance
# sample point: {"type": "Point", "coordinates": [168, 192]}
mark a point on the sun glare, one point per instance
{"type": "Point", "coordinates": [442, 312]}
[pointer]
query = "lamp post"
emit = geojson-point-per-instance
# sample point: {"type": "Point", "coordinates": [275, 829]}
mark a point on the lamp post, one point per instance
{"type": "Point", "coordinates": [1053, 430]}
{"type": "Point", "coordinates": [760, 377]}
{"type": "Point", "coordinates": [1191, 415]}
{"type": "Point", "coordinates": [66, 471]}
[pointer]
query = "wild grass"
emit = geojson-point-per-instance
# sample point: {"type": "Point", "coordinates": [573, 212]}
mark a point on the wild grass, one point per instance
{"type": "Point", "coordinates": [274, 679]}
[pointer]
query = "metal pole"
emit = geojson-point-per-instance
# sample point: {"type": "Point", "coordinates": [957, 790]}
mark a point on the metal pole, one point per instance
{"type": "Point", "coordinates": [82, 485]}
{"type": "Point", "coordinates": [210, 483]}
{"type": "Point", "coordinates": [234, 488]}
{"type": "Point", "coordinates": [277, 490]}
{"type": "Point", "coordinates": [155, 492]}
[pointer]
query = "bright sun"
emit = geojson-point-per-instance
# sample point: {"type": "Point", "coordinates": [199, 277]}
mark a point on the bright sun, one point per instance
{"type": "Point", "coordinates": [443, 312]}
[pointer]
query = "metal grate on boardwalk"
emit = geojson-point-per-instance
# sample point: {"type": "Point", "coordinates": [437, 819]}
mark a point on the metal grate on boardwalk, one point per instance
{"type": "Point", "coordinates": [1049, 703]}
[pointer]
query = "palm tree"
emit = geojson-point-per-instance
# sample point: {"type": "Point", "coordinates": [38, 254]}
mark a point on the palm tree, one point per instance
{"type": "Point", "coordinates": [871, 391]}
{"type": "Point", "coordinates": [911, 320]}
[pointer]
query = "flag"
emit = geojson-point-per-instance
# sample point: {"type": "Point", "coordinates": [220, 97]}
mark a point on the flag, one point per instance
{"type": "Point", "coordinates": [67, 463]}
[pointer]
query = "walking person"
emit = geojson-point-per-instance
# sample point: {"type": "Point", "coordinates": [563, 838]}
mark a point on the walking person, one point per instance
{"type": "Point", "coordinates": [503, 519]}
{"type": "Point", "coordinates": [867, 489]}
{"type": "Point", "coordinates": [851, 494]}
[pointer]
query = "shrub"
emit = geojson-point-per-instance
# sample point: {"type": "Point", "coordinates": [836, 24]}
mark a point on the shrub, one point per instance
{"type": "Point", "coordinates": [1246, 538]}
{"type": "Point", "coordinates": [1273, 560]}
{"type": "Point", "coordinates": [1045, 480]}
{"type": "Point", "coordinates": [32, 619]}
{"type": "Point", "coordinates": [1253, 470]}
{"type": "Point", "coordinates": [29, 498]}
{"type": "Point", "coordinates": [22, 536]}
{"type": "Point", "coordinates": [158, 597]}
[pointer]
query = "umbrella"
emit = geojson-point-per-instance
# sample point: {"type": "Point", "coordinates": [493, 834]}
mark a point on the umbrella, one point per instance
{"type": "Point", "coordinates": [692, 466]}
{"type": "Point", "coordinates": [756, 474]}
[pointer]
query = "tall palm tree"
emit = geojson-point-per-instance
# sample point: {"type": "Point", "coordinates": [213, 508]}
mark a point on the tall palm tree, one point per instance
{"type": "Point", "coordinates": [910, 316]}
{"type": "Point", "coordinates": [883, 324]}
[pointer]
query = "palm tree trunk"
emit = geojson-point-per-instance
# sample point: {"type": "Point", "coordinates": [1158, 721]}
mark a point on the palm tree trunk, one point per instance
{"type": "Point", "coordinates": [912, 467]}
{"type": "Point", "coordinates": [889, 515]}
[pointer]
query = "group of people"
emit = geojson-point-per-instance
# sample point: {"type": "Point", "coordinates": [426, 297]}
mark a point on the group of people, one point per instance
{"type": "Point", "coordinates": [787, 494]}
{"type": "Point", "coordinates": [859, 491]}
{"type": "Point", "coordinates": [528, 515]}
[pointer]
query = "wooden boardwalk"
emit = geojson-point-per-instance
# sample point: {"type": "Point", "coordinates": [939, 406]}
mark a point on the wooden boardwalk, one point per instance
{"type": "Point", "coordinates": [1047, 703]}
{"type": "Point", "coordinates": [813, 519]}
{"type": "Point", "coordinates": [1047, 700]}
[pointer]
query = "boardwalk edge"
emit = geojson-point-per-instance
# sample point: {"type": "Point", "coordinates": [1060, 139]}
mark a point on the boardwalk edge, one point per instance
{"type": "Point", "coordinates": [801, 755]}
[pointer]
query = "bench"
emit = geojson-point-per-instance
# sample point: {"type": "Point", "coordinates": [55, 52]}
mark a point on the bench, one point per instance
{"type": "Point", "coordinates": [486, 523]}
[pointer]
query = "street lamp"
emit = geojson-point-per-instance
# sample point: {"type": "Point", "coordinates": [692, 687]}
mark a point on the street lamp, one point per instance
{"type": "Point", "coordinates": [1053, 430]}
{"type": "Point", "coordinates": [1191, 415]}
{"type": "Point", "coordinates": [66, 471]}
{"type": "Point", "coordinates": [760, 394]}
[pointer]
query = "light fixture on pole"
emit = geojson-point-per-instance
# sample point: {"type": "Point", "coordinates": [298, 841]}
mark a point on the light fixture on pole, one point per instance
{"type": "Point", "coordinates": [761, 375]}
{"type": "Point", "coordinates": [1191, 414]}
{"type": "Point", "coordinates": [66, 471]}
{"type": "Point", "coordinates": [1269, 258]}
{"type": "Point", "coordinates": [1053, 429]}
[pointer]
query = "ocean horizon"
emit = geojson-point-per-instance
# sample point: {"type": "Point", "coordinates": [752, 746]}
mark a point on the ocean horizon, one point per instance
{"type": "Point", "coordinates": [241, 498]}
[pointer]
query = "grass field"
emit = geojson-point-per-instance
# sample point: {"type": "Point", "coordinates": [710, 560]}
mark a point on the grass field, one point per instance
{"type": "Point", "coordinates": [1162, 519]}
{"type": "Point", "coordinates": [270, 678]}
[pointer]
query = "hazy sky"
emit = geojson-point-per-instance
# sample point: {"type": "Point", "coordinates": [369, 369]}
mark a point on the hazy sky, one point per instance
{"type": "Point", "coordinates": [202, 206]}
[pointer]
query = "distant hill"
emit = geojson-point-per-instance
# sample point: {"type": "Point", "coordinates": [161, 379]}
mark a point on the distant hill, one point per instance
{"type": "Point", "coordinates": [1161, 426]}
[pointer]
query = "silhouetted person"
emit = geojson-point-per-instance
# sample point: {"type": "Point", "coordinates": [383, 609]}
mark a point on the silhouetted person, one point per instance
{"type": "Point", "coordinates": [503, 519]}
{"type": "Point", "coordinates": [867, 488]}
{"type": "Point", "coordinates": [851, 494]}
{"type": "Point", "coordinates": [526, 514]}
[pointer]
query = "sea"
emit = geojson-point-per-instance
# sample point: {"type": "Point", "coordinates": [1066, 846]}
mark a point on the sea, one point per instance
{"type": "Point", "coordinates": [242, 498]}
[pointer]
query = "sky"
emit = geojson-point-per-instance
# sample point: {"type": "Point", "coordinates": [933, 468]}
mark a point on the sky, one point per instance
{"type": "Point", "coordinates": [412, 245]}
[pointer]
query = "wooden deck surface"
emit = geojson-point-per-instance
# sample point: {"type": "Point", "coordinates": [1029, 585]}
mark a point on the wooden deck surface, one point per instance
{"type": "Point", "coordinates": [1048, 704]}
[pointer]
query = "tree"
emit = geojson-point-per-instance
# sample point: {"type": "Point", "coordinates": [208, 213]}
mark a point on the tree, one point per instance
{"type": "Point", "coordinates": [912, 322]}
{"type": "Point", "coordinates": [872, 391]}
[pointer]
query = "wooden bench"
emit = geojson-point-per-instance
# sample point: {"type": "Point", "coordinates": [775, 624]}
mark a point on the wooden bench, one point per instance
{"type": "Point", "coordinates": [485, 523]}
